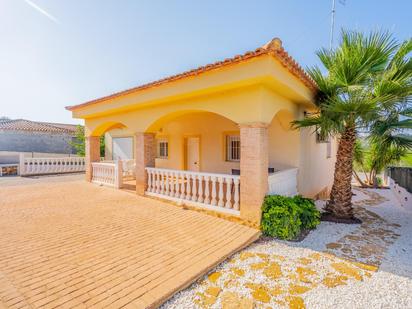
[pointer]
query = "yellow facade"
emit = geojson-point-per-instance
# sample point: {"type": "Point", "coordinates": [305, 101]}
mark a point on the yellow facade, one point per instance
{"type": "Point", "coordinates": [213, 103]}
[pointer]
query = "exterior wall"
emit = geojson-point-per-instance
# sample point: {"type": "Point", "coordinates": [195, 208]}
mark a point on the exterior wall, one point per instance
{"type": "Point", "coordinates": [8, 157]}
{"type": "Point", "coordinates": [315, 169]}
{"type": "Point", "coordinates": [109, 135]}
{"type": "Point", "coordinates": [211, 129]}
{"type": "Point", "coordinates": [247, 104]}
{"type": "Point", "coordinates": [284, 143]}
{"type": "Point", "coordinates": [287, 148]}
{"type": "Point", "coordinates": [23, 141]}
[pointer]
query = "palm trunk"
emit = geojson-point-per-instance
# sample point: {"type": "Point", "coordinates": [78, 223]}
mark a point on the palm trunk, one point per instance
{"type": "Point", "coordinates": [358, 179]}
{"type": "Point", "coordinates": [340, 203]}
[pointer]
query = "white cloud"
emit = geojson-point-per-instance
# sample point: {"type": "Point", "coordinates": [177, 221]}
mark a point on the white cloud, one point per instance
{"type": "Point", "coordinates": [42, 11]}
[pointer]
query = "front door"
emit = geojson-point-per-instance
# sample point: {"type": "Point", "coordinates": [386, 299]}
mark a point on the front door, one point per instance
{"type": "Point", "coordinates": [192, 154]}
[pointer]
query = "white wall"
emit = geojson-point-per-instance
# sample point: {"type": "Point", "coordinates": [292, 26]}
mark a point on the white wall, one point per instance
{"type": "Point", "coordinates": [315, 169]}
{"type": "Point", "coordinates": [109, 135]}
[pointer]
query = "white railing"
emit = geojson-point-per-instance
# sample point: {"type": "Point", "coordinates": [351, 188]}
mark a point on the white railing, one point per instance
{"type": "Point", "coordinates": [39, 166]}
{"type": "Point", "coordinates": [283, 182]}
{"type": "Point", "coordinates": [219, 192]}
{"type": "Point", "coordinates": [129, 168]}
{"type": "Point", "coordinates": [108, 174]}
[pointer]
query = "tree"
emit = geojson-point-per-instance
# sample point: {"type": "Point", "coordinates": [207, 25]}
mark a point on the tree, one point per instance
{"type": "Point", "coordinates": [367, 76]}
{"type": "Point", "coordinates": [387, 144]}
{"type": "Point", "coordinates": [78, 142]}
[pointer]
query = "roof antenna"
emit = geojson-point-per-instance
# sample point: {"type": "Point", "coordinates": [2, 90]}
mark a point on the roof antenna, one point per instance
{"type": "Point", "coordinates": [332, 22]}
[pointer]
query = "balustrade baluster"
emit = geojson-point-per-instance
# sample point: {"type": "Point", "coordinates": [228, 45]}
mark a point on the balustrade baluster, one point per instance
{"type": "Point", "coordinates": [166, 174]}
{"type": "Point", "coordinates": [228, 193]}
{"type": "Point", "coordinates": [236, 195]}
{"type": "Point", "coordinates": [182, 186]}
{"type": "Point", "coordinates": [220, 202]}
{"type": "Point", "coordinates": [213, 202]}
{"type": "Point", "coordinates": [194, 188]}
{"type": "Point", "coordinates": [161, 180]}
{"type": "Point", "coordinates": [200, 193]}
{"type": "Point", "coordinates": [188, 187]}
{"type": "Point", "coordinates": [207, 190]}
{"type": "Point", "coordinates": [177, 177]}
{"type": "Point", "coordinates": [172, 184]}
{"type": "Point", "coordinates": [157, 183]}
{"type": "Point", "coordinates": [149, 180]}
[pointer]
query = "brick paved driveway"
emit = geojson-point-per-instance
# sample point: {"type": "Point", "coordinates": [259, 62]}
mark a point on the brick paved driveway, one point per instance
{"type": "Point", "coordinates": [72, 244]}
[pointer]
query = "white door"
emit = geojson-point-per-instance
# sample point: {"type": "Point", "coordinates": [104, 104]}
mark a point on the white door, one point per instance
{"type": "Point", "coordinates": [122, 148]}
{"type": "Point", "coordinates": [192, 154]}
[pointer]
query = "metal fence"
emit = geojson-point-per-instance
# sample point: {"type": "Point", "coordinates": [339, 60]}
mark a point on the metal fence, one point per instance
{"type": "Point", "coordinates": [402, 176]}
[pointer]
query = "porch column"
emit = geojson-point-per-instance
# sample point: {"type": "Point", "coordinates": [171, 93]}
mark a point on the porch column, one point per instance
{"type": "Point", "coordinates": [92, 152]}
{"type": "Point", "coordinates": [145, 157]}
{"type": "Point", "coordinates": [254, 162]}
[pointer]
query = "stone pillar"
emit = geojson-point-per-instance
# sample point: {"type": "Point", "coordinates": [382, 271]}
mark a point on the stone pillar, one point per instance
{"type": "Point", "coordinates": [145, 157]}
{"type": "Point", "coordinates": [254, 163]}
{"type": "Point", "coordinates": [92, 152]}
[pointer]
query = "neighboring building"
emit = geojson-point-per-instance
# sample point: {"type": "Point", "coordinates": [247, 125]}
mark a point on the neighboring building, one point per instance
{"type": "Point", "coordinates": [192, 134]}
{"type": "Point", "coordinates": [32, 137]}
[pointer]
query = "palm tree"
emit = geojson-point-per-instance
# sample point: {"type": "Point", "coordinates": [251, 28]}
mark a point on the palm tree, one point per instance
{"type": "Point", "coordinates": [367, 76]}
{"type": "Point", "coordinates": [387, 143]}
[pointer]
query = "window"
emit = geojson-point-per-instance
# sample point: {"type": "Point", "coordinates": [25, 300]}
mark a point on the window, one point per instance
{"type": "Point", "coordinates": [162, 148]}
{"type": "Point", "coordinates": [232, 147]}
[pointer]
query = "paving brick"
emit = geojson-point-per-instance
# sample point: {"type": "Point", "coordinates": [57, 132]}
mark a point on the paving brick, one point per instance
{"type": "Point", "coordinates": [74, 244]}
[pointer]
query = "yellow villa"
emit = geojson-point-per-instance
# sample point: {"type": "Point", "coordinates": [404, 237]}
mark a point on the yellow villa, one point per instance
{"type": "Point", "coordinates": [216, 137]}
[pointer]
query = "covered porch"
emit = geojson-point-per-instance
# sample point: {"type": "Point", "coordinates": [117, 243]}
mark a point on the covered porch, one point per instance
{"type": "Point", "coordinates": [217, 136]}
{"type": "Point", "coordinates": [203, 159]}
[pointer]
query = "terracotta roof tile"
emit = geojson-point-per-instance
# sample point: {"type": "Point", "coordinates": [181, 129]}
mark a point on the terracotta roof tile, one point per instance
{"type": "Point", "coordinates": [34, 126]}
{"type": "Point", "coordinates": [274, 47]}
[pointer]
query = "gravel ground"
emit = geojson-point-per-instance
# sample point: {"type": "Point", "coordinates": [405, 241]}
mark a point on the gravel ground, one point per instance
{"type": "Point", "coordinates": [268, 274]}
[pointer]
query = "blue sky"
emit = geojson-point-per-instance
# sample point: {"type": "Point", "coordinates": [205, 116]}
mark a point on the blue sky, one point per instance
{"type": "Point", "coordinates": [55, 53]}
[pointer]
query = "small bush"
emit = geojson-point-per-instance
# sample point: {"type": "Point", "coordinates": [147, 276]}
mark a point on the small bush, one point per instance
{"type": "Point", "coordinates": [285, 217]}
{"type": "Point", "coordinates": [309, 215]}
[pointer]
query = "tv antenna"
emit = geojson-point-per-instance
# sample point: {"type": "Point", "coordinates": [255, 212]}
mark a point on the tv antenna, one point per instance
{"type": "Point", "coordinates": [332, 22]}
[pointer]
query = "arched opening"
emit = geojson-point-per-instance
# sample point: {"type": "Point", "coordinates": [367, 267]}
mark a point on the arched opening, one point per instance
{"type": "Point", "coordinates": [196, 141]}
{"type": "Point", "coordinates": [116, 141]}
{"type": "Point", "coordinates": [109, 149]}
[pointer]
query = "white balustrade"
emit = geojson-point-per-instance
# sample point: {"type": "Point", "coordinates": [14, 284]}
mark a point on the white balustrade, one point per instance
{"type": "Point", "coordinates": [129, 168]}
{"type": "Point", "coordinates": [40, 166]}
{"type": "Point", "coordinates": [108, 174]}
{"type": "Point", "coordinates": [219, 192]}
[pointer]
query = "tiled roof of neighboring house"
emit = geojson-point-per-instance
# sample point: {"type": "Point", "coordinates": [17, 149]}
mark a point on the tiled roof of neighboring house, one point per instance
{"type": "Point", "coordinates": [35, 126]}
{"type": "Point", "coordinates": [274, 47]}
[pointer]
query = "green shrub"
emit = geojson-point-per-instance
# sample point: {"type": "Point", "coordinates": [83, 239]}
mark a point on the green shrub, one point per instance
{"type": "Point", "coordinates": [284, 217]}
{"type": "Point", "coordinates": [309, 215]}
